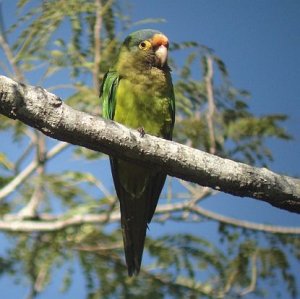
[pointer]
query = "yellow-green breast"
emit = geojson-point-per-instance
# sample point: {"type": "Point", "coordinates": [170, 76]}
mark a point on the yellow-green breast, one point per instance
{"type": "Point", "coordinates": [144, 101]}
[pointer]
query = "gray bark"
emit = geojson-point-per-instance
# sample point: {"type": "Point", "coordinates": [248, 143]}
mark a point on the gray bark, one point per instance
{"type": "Point", "coordinates": [46, 112]}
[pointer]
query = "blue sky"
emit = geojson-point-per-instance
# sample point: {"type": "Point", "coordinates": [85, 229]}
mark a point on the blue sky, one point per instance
{"type": "Point", "coordinates": [259, 41]}
{"type": "Point", "coordinates": [260, 44]}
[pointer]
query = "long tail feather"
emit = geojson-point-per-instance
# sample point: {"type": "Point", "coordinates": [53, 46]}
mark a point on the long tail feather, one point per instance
{"type": "Point", "coordinates": [134, 239]}
{"type": "Point", "coordinates": [138, 190]}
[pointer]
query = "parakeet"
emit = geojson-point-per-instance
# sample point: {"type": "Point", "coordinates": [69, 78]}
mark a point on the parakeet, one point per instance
{"type": "Point", "coordinates": [138, 92]}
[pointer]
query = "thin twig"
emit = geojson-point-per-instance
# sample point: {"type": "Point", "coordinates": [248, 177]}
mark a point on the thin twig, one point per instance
{"type": "Point", "coordinates": [5, 69]}
{"type": "Point", "coordinates": [253, 281]}
{"type": "Point", "coordinates": [23, 156]}
{"type": "Point", "coordinates": [48, 222]}
{"type": "Point", "coordinates": [30, 210]}
{"type": "Point", "coordinates": [97, 43]}
{"type": "Point", "coordinates": [9, 53]}
{"type": "Point", "coordinates": [275, 229]}
{"type": "Point", "coordinates": [101, 187]}
{"type": "Point", "coordinates": [211, 105]}
{"type": "Point", "coordinates": [117, 245]}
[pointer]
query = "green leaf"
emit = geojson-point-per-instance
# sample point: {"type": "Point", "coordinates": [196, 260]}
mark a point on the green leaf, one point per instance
{"type": "Point", "coordinates": [4, 162]}
{"type": "Point", "coordinates": [221, 66]}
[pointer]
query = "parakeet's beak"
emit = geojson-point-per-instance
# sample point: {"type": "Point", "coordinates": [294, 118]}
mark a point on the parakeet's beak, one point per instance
{"type": "Point", "coordinates": [162, 55]}
{"type": "Point", "coordinates": [160, 44]}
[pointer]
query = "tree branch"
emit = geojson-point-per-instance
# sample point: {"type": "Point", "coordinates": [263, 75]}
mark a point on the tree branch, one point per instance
{"type": "Point", "coordinates": [50, 223]}
{"type": "Point", "coordinates": [252, 286]}
{"type": "Point", "coordinates": [8, 52]}
{"type": "Point", "coordinates": [30, 210]}
{"type": "Point", "coordinates": [45, 111]}
{"type": "Point", "coordinates": [29, 169]}
{"type": "Point", "coordinates": [54, 223]}
{"type": "Point", "coordinates": [97, 46]}
{"type": "Point", "coordinates": [211, 105]}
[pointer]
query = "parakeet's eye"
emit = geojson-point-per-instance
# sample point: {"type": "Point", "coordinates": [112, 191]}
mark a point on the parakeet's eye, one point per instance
{"type": "Point", "coordinates": [145, 45]}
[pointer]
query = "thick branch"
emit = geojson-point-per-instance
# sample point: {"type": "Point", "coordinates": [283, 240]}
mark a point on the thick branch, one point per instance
{"type": "Point", "coordinates": [42, 110]}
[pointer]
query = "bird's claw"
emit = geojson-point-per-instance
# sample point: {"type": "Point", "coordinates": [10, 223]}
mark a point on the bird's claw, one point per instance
{"type": "Point", "coordinates": [141, 130]}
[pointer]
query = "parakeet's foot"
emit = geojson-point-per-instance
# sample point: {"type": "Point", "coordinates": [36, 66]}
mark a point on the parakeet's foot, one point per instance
{"type": "Point", "coordinates": [142, 132]}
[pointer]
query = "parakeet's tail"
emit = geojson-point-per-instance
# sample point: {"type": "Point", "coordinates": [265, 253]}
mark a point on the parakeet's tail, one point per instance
{"type": "Point", "coordinates": [138, 190]}
{"type": "Point", "coordinates": [134, 239]}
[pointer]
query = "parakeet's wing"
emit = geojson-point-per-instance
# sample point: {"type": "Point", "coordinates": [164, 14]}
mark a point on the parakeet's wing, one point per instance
{"type": "Point", "coordinates": [108, 91]}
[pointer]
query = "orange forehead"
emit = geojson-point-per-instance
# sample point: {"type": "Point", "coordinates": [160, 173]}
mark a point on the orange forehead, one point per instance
{"type": "Point", "coordinates": [159, 39]}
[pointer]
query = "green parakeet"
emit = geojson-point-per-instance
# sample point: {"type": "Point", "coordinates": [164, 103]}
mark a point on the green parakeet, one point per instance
{"type": "Point", "coordinates": [138, 92]}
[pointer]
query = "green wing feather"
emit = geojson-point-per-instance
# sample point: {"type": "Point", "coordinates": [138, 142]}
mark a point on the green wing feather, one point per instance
{"type": "Point", "coordinates": [108, 94]}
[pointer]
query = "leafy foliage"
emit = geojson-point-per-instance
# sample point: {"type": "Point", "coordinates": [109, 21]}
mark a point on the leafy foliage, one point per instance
{"type": "Point", "coordinates": [239, 134]}
{"type": "Point", "coordinates": [57, 38]}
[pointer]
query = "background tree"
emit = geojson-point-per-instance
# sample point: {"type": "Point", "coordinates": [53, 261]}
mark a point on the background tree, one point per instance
{"type": "Point", "coordinates": [78, 41]}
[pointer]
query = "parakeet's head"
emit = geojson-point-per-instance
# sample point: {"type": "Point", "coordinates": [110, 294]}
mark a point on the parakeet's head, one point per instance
{"type": "Point", "coordinates": [146, 48]}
